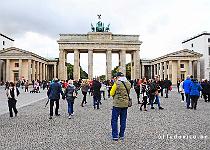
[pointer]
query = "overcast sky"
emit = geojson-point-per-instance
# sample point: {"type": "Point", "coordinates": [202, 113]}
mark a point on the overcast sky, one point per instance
{"type": "Point", "coordinates": [35, 25]}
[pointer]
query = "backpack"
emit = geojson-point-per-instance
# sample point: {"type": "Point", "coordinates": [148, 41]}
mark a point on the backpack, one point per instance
{"type": "Point", "coordinates": [152, 87]}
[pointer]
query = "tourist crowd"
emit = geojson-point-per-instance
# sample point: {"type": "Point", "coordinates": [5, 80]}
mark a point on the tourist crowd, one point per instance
{"type": "Point", "coordinates": [148, 92]}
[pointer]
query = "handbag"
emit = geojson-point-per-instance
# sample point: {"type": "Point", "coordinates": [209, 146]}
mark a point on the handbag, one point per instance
{"type": "Point", "coordinates": [74, 94]}
{"type": "Point", "coordinates": [129, 99]}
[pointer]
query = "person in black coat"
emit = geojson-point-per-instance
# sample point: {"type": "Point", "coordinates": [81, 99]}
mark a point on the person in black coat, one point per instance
{"type": "Point", "coordinates": [12, 94]}
{"type": "Point", "coordinates": [53, 94]}
{"type": "Point", "coordinates": [96, 93]}
{"type": "Point", "coordinates": [167, 84]}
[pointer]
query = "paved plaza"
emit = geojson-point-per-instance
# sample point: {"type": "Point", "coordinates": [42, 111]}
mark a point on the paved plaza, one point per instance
{"type": "Point", "coordinates": [174, 128]}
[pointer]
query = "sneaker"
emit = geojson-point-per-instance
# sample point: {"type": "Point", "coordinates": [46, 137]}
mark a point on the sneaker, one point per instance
{"type": "Point", "coordinates": [69, 116]}
{"type": "Point", "coordinates": [72, 114]}
{"type": "Point", "coordinates": [140, 108]}
{"type": "Point", "coordinates": [50, 117]}
{"type": "Point", "coordinates": [121, 138]}
{"type": "Point", "coordinates": [161, 108]}
{"type": "Point", "coordinates": [16, 114]}
{"type": "Point", "coordinates": [57, 114]}
{"type": "Point", "coordinates": [152, 107]}
{"type": "Point", "coordinates": [115, 139]}
{"type": "Point", "coordinates": [145, 110]}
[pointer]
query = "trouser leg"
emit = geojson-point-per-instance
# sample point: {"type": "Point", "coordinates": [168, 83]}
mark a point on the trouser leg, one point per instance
{"type": "Point", "coordinates": [114, 122]}
{"type": "Point", "coordinates": [158, 100]}
{"type": "Point", "coordinates": [151, 99]}
{"type": "Point", "coordinates": [14, 107]}
{"type": "Point", "coordinates": [57, 107]}
{"type": "Point", "coordinates": [69, 107]}
{"type": "Point", "coordinates": [51, 107]}
{"type": "Point", "coordinates": [166, 91]}
{"type": "Point", "coordinates": [192, 101]}
{"type": "Point", "coordinates": [72, 107]}
{"type": "Point", "coordinates": [123, 117]}
{"type": "Point", "coordinates": [195, 102]}
{"type": "Point", "coordinates": [182, 94]}
{"type": "Point", "coordinates": [10, 108]}
{"type": "Point", "coordinates": [144, 102]}
{"type": "Point", "coordinates": [205, 97]}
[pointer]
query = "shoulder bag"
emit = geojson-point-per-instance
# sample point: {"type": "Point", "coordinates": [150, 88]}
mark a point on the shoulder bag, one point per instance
{"type": "Point", "coordinates": [129, 99]}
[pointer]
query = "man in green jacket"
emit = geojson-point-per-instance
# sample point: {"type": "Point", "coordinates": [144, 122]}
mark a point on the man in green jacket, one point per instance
{"type": "Point", "coordinates": [120, 105]}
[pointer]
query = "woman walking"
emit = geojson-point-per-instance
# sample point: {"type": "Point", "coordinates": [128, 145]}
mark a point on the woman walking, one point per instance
{"type": "Point", "coordinates": [70, 94]}
{"type": "Point", "coordinates": [84, 88]}
{"type": "Point", "coordinates": [144, 94]}
{"type": "Point", "coordinates": [12, 94]}
{"type": "Point", "coordinates": [182, 90]}
{"type": "Point", "coordinates": [137, 89]}
{"type": "Point", "coordinates": [195, 89]}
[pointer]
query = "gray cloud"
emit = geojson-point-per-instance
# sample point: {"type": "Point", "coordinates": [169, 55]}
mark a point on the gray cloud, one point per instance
{"type": "Point", "coordinates": [162, 24]}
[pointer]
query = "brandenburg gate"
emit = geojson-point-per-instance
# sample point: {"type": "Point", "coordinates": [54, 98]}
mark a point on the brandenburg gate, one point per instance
{"type": "Point", "coordinates": [99, 41]}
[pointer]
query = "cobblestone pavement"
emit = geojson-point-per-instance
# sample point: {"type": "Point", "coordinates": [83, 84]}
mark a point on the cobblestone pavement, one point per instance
{"type": "Point", "coordinates": [174, 128]}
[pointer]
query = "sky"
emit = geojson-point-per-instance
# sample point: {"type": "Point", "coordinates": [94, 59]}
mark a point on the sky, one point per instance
{"type": "Point", "coordinates": [35, 25]}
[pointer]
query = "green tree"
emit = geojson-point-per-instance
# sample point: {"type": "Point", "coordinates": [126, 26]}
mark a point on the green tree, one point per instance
{"type": "Point", "coordinates": [128, 71]}
{"type": "Point", "coordinates": [70, 68]}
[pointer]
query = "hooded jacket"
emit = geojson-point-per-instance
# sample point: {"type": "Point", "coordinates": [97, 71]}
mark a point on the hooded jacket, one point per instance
{"type": "Point", "coordinates": [195, 88]}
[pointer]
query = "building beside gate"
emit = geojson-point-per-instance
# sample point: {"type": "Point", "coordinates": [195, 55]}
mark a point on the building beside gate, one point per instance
{"type": "Point", "coordinates": [173, 66]}
{"type": "Point", "coordinates": [17, 64]}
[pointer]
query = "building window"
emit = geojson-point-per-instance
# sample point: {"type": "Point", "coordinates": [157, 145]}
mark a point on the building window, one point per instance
{"type": "Point", "coordinates": [209, 75]}
{"type": "Point", "coordinates": [181, 65]}
{"type": "Point", "coordinates": [208, 39]}
{"type": "Point", "coordinates": [167, 66]}
{"type": "Point", "coordinates": [209, 50]}
{"type": "Point", "coordinates": [182, 76]}
{"type": "Point", "coordinates": [3, 42]}
{"type": "Point", "coordinates": [16, 76]}
{"type": "Point", "coordinates": [16, 64]}
{"type": "Point", "coordinates": [192, 45]}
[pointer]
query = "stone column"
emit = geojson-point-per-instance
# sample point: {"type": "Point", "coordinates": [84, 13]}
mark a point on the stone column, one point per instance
{"type": "Point", "coordinates": [170, 70]}
{"type": "Point", "coordinates": [62, 65]}
{"type": "Point", "coordinates": [90, 64]}
{"type": "Point", "coordinates": [20, 69]}
{"type": "Point", "coordinates": [165, 69]}
{"type": "Point", "coordinates": [122, 67]}
{"type": "Point", "coordinates": [161, 70]}
{"type": "Point", "coordinates": [55, 71]}
{"type": "Point", "coordinates": [76, 73]}
{"type": "Point", "coordinates": [143, 70]}
{"type": "Point", "coordinates": [8, 70]}
{"type": "Point", "coordinates": [44, 72]}
{"type": "Point", "coordinates": [158, 71]}
{"type": "Point", "coordinates": [132, 66]}
{"type": "Point", "coordinates": [178, 69]}
{"type": "Point", "coordinates": [199, 70]}
{"type": "Point", "coordinates": [37, 70]}
{"type": "Point", "coordinates": [190, 67]}
{"type": "Point", "coordinates": [155, 70]}
{"type": "Point", "coordinates": [108, 64]}
{"type": "Point", "coordinates": [151, 72]}
{"type": "Point", "coordinates": [29, 70]}
{"type": "Point", "coordinates": [40, 71]}
{"type": "Point", "coordinates": [33, 70]}
{"type": "Point", "coordinates": [4, 70]}
{"type": "Point", "coordinates": [137, 64]}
